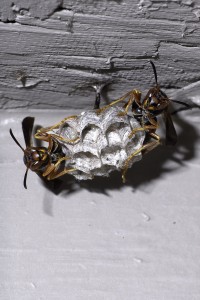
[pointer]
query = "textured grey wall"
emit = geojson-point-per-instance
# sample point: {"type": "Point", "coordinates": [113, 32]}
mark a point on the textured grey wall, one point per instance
{"type": "Point", "coordinates": [101, 239]}
{"type": "Point", "coordinates": [51, 52]}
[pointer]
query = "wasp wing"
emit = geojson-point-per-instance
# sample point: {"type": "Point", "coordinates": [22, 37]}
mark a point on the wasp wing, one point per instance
{"type": "Point", "coordinates": [171, 135]}
{"type": "Point", "coordinates": [27, 127]}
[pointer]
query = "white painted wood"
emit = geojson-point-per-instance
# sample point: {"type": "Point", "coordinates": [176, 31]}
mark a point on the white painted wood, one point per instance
{"type": "Point", "coordinates": [52, 52]}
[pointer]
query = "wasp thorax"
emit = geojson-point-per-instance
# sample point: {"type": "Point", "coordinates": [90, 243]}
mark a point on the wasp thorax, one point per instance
{"type": "Point", "coordinates": [35, 157]}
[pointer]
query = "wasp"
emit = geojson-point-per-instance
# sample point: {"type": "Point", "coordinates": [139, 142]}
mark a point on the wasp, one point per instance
{"type": "Point", "coordinates": [97, 142]}
{"type": "Point", "coordinates": [42, 160]}
{"type": "Point", "coordinates": [146, 111]}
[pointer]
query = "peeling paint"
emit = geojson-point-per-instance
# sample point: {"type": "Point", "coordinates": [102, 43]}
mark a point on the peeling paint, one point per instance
{"type": "Point", "coordinates": [144, 4]}
{"type": "Point", "coordinates": [74, 47]}
{"type": "Point", "coordinates": [30, 82]}
{"type": "Point", "coordinates": [38, 8]}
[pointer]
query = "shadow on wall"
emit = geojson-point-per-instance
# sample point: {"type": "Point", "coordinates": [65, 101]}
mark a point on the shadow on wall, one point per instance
{"type": "Point", "coordinates": [154, 165]}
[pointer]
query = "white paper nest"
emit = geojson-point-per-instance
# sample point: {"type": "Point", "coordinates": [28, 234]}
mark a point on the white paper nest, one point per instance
{"type": "Point", "coordinates": [104, 144]}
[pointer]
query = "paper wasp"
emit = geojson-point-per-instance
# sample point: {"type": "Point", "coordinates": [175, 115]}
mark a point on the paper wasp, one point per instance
{"type": "Point", "coordinates": [55, 161]}
{"type": "Point", "coordinates": [44, 161]}
{"type": "Point", "coordinates": [146, 111]}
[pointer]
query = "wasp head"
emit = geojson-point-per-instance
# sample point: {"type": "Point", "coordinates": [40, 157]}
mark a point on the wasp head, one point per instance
{"type": "Point", "coordinates": [35, 158]}
{"type": "Point", "coordinates": [156, 101]}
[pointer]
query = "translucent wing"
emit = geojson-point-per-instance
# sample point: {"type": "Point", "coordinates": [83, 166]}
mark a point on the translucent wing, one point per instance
{"type": "Point", "coordinates": [171, 135]}
{"type": "Point", "coordinates": [27, 127]}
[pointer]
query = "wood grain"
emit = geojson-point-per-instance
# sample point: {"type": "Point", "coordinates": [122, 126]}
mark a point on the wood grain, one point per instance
{"type": "Point", "coordinates": [52, 52]}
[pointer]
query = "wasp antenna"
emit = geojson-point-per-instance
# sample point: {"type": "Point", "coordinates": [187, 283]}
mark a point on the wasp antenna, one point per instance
{"type": "Point", "coordinates": [154, 70]}
{"type": "Point", "coordinates": [25, 177]}
{"type": "Point", "coordinates": [183, 103]}
{"type": "Point", "coordinates": [16, 141]}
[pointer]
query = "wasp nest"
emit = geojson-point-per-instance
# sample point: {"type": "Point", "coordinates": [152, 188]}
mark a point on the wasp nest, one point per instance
{"type": "Point", "coordinates": [102, 144]}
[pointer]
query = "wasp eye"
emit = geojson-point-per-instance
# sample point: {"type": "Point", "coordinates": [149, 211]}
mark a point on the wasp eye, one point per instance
{"type": "Point", "coordinates": [151, 100]}
{"type": "Point", "coordinates": [35, 156]}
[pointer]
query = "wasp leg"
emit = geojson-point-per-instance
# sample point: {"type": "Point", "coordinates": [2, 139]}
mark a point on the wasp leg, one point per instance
{"type": "Point", "coordinates": [56, 126]}
{"type": "Point", "coordinates": [145, 128]}
{"type": "Point", "coordinates": [123, 98]}
{"type": "Point", "coordinates": [56, 175]}
{"type": "Point", "coordinates": [48, 170]}
{"type": "Point", "coordinates": [42, 133]}
{"type": "Point", "coordinates": [41, 136]}
{"type": "Point", "coordinates": [64, 139]}
{"type": "Point", "coordinates": [158, 142]}
{"type": "Point", "coordinates": [134, 97]}
{"type": "Point", "coordinates": [146, 148]}
{"type": "Point", "coordinates": [53, 173]}
{"type": "Point", "coordinates": [44, 136]}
